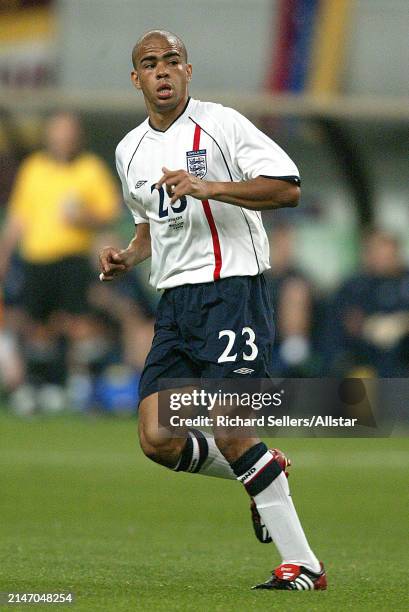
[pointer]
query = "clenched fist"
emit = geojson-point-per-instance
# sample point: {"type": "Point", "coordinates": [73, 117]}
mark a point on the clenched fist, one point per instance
{"type": "Point", "coordinates": [114, 262]}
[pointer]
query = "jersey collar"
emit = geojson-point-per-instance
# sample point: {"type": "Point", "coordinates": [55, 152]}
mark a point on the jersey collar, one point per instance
{"type": "Point", "coordinates": [173, 122]}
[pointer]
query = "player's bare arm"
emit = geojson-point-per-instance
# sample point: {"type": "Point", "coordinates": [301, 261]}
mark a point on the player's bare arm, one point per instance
{"type": "Point", "coordinates": [256, 194]}
{"type": "Point", "coordinates": [115, 262]}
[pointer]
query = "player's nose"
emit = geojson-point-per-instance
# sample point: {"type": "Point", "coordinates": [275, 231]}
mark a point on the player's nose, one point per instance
{"type": "Point", "coordinates": [162, 71]}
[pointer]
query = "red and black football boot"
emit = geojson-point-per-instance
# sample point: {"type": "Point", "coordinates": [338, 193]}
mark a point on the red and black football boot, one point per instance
{"type": "Point", "coordinates": [292, 577]}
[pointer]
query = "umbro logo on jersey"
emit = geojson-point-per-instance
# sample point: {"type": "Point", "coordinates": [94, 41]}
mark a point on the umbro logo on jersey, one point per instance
{"type": "Point", "coordinates": [243, 371]}
{"type": "Point", "coordinates": [197, 162]}
{"type": "Point", "coordinates": [140, 184]}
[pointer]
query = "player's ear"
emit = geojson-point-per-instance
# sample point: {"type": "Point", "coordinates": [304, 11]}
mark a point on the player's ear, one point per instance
{"type": "Point", "coordinates": [189, 71]}
{"type": "Point", "coordinates": [135, 79]}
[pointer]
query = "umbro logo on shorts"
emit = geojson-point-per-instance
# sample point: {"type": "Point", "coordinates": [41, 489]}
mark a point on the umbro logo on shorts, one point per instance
{"type": "Point", "coordinates": [140, 184]}
{"type": "Point", "coordinates": [243, 371]}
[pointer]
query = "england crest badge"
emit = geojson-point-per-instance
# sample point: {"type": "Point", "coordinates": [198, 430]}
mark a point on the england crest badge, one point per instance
{"type": "Point", "coordinates": [197, 163]}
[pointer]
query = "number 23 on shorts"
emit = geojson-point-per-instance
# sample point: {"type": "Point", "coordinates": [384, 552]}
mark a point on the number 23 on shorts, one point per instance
{"type": "Point", "coordinates": [231, 335]}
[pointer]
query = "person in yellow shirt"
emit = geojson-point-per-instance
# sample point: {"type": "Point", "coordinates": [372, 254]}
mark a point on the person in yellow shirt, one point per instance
{"type": "Point", "coordinates": [61, 198]}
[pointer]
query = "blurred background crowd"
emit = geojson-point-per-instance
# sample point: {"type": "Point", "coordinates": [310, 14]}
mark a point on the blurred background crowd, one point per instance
{"type": "Point", "coordinates": [319, 81]}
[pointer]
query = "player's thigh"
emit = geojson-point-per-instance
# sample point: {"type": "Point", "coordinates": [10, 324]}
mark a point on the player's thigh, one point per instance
{"type": "Point", "coordinates": [166, 366]}
{"type": "Point", "coordinates": [148, 422]}
{"type": "Point", "coordinates": [167, 363]}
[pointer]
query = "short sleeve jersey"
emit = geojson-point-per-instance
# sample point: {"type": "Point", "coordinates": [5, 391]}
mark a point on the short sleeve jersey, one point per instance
{"type": "Point", "coordinates": [197, 241]}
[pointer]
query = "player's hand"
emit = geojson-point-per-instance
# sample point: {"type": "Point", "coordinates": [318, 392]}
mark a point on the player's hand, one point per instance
{"type": "Point", "coordinates": [180, 183]}
{"type": "Point", "coordinates": [114, 262]}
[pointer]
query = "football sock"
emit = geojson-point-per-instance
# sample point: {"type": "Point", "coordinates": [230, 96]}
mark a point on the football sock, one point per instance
{"type": "Point", "coordinates": [200, 455]}
{"type": "Point", "coordinates": [267, 484]}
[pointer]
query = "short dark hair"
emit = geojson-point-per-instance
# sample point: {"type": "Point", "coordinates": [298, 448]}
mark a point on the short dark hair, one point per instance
{"type": "Point", "coordinates": [158, 34]}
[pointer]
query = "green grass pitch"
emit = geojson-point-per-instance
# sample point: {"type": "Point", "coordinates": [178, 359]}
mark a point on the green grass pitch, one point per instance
{"type": "Point", "coordinates": [81, 510]}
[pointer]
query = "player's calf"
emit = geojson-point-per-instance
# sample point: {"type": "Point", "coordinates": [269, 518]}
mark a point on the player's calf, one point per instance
{"type": "Point", "coordinates": [261, 473]}
{"type": "Point", "coordinates": [260, 529]}
{"type": "Point", "coordinates": [233, 447]}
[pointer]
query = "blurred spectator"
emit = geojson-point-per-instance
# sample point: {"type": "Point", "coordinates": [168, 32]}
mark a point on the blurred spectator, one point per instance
{"type": "Point", "coordinates": [11, 364]}
{"type": "Point", "coordinates": [294, 306]}
{"type": "Point", "coordinates": [14, 146]}
{"type": "Point", "coordinates": [61, 198]}
{"type": "Point", "coordinates": [369, 319]}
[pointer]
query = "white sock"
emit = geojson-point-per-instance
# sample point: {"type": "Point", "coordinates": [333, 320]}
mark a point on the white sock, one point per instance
{"type": "Point", "coordinates": [267, 484]}
{"type": "Point", "coordinates": [215, 464]}
{"type": "Point", "coordinates": [279, 515]}
{"type": "Point", "coordinates": [201, 456]}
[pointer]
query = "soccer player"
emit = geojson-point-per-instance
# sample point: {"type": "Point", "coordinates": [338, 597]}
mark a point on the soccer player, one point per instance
{"type": "Point", "coordinates": [195, 176]}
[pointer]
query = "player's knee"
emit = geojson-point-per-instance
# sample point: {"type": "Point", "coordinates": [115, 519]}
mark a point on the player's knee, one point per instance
{"type": "Point", "coordinates": [150, 442]}
{"type": "Point", "coordinates": [148, 449]}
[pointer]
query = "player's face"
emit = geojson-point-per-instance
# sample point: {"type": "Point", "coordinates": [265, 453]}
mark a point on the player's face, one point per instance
{"type": "Point", "coordinates": [162, 74]}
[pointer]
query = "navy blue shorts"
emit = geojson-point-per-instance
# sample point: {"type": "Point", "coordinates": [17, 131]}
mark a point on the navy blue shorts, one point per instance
{"type": "Point", "coordinates": [221, 329]}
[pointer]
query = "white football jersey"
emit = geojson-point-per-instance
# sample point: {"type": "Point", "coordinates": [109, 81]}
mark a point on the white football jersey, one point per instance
{"type": "Point", "coordinates": [195, 241]}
